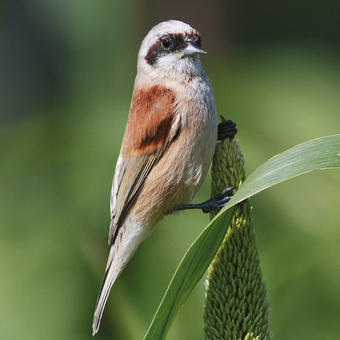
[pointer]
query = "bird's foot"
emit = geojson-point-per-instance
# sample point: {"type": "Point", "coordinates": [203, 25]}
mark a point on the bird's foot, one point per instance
{"type": "Point", "coordinates": [216, 202]}
{"type": "Point", "coordinates": [226, 129]}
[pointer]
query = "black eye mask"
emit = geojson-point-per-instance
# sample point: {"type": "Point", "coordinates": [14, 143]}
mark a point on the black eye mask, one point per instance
{"type": "Point", "coordinates": [169, 43]}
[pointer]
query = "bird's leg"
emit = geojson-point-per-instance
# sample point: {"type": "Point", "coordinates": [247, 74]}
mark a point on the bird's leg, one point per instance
{"type": "Point", "coordinates": [216, 202]}
{"type": "Point", "coordinates": [226, 129]}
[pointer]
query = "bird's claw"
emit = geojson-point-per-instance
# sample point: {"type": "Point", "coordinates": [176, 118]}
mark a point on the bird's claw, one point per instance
{"type": "Point", "coordinates": [226, 129]}
{"type": "Point", "coordinates": [216, 202]}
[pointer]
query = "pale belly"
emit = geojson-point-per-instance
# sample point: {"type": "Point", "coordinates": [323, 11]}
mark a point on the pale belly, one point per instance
{"type": "Point", "coordinates": [178, 175]}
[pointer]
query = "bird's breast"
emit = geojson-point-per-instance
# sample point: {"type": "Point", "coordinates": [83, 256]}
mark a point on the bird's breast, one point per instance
{"type": "Point", "coordinates": [178, 174]}
{"type": "Point", "coordinates": [201, 134]}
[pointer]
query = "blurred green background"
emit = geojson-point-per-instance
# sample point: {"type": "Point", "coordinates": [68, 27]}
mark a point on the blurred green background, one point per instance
{"type": "Point", "coordinates": [66, 76]}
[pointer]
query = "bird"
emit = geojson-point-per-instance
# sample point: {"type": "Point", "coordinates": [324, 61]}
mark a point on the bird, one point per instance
{"type": "Point", "coordinates": [167, 147]}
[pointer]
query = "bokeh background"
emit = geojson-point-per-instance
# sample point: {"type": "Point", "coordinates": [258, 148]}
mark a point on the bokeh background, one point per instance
{"type": "Point", "coordinates": [66, 76]}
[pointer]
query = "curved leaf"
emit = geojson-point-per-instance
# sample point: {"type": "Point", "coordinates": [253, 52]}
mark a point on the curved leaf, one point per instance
{"type": "Point", "coordinates": [316, 154]}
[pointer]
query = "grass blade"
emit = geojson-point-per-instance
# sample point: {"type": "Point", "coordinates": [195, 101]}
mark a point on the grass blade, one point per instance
{"type": "Point", "coordinates": [316, 154]}
{"type": "Point", "coordinates": [190, 270]}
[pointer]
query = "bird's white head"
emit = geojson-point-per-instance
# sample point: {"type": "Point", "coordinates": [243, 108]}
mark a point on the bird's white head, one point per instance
{"type": "Point", "coordinates": [169, 50]}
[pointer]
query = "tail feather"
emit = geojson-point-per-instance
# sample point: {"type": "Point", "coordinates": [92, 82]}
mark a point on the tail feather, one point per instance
{"type": "Point", "coordinates": [128, 239]}
{"type": "Point", "coordinates": [112, 271]}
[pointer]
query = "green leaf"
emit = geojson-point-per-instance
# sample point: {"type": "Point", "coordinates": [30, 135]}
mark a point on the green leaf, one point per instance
{"type": "Point", "coordinates": [190, 270]}
{"type": "Point", "coordinates": [316, 154]}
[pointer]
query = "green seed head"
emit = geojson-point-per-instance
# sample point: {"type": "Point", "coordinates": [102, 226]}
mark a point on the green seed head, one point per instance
{"type": "Point", "coordinates": [236, 306]}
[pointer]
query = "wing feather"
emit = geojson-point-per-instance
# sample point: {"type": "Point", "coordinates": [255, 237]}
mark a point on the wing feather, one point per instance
{"type": "Point", "coordinates": [152, 125]}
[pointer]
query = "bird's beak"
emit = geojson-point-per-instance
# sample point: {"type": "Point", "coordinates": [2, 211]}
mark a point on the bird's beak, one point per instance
{"type": "Point", "coordinates": [191, 49]}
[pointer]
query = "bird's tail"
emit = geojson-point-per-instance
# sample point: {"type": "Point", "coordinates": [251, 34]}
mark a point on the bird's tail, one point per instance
{"type": "Point", "coordinates": [111, 273]}
{"type": "Point", "coordinates": [128, 239]}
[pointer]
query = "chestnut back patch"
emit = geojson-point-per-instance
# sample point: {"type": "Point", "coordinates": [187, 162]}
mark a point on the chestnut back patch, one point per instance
{"type": "Point", "coordinates": [150, 120]}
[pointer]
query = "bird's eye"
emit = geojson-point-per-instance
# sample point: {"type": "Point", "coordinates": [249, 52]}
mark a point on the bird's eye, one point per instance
{"type": "Point", "coordinates": [166, 42]}
{"type": "Point", "coordinates": [198, 41]}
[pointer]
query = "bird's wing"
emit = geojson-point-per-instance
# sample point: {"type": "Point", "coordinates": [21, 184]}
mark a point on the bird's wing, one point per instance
{"type": "Point", "coordinates": [152, 125]}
